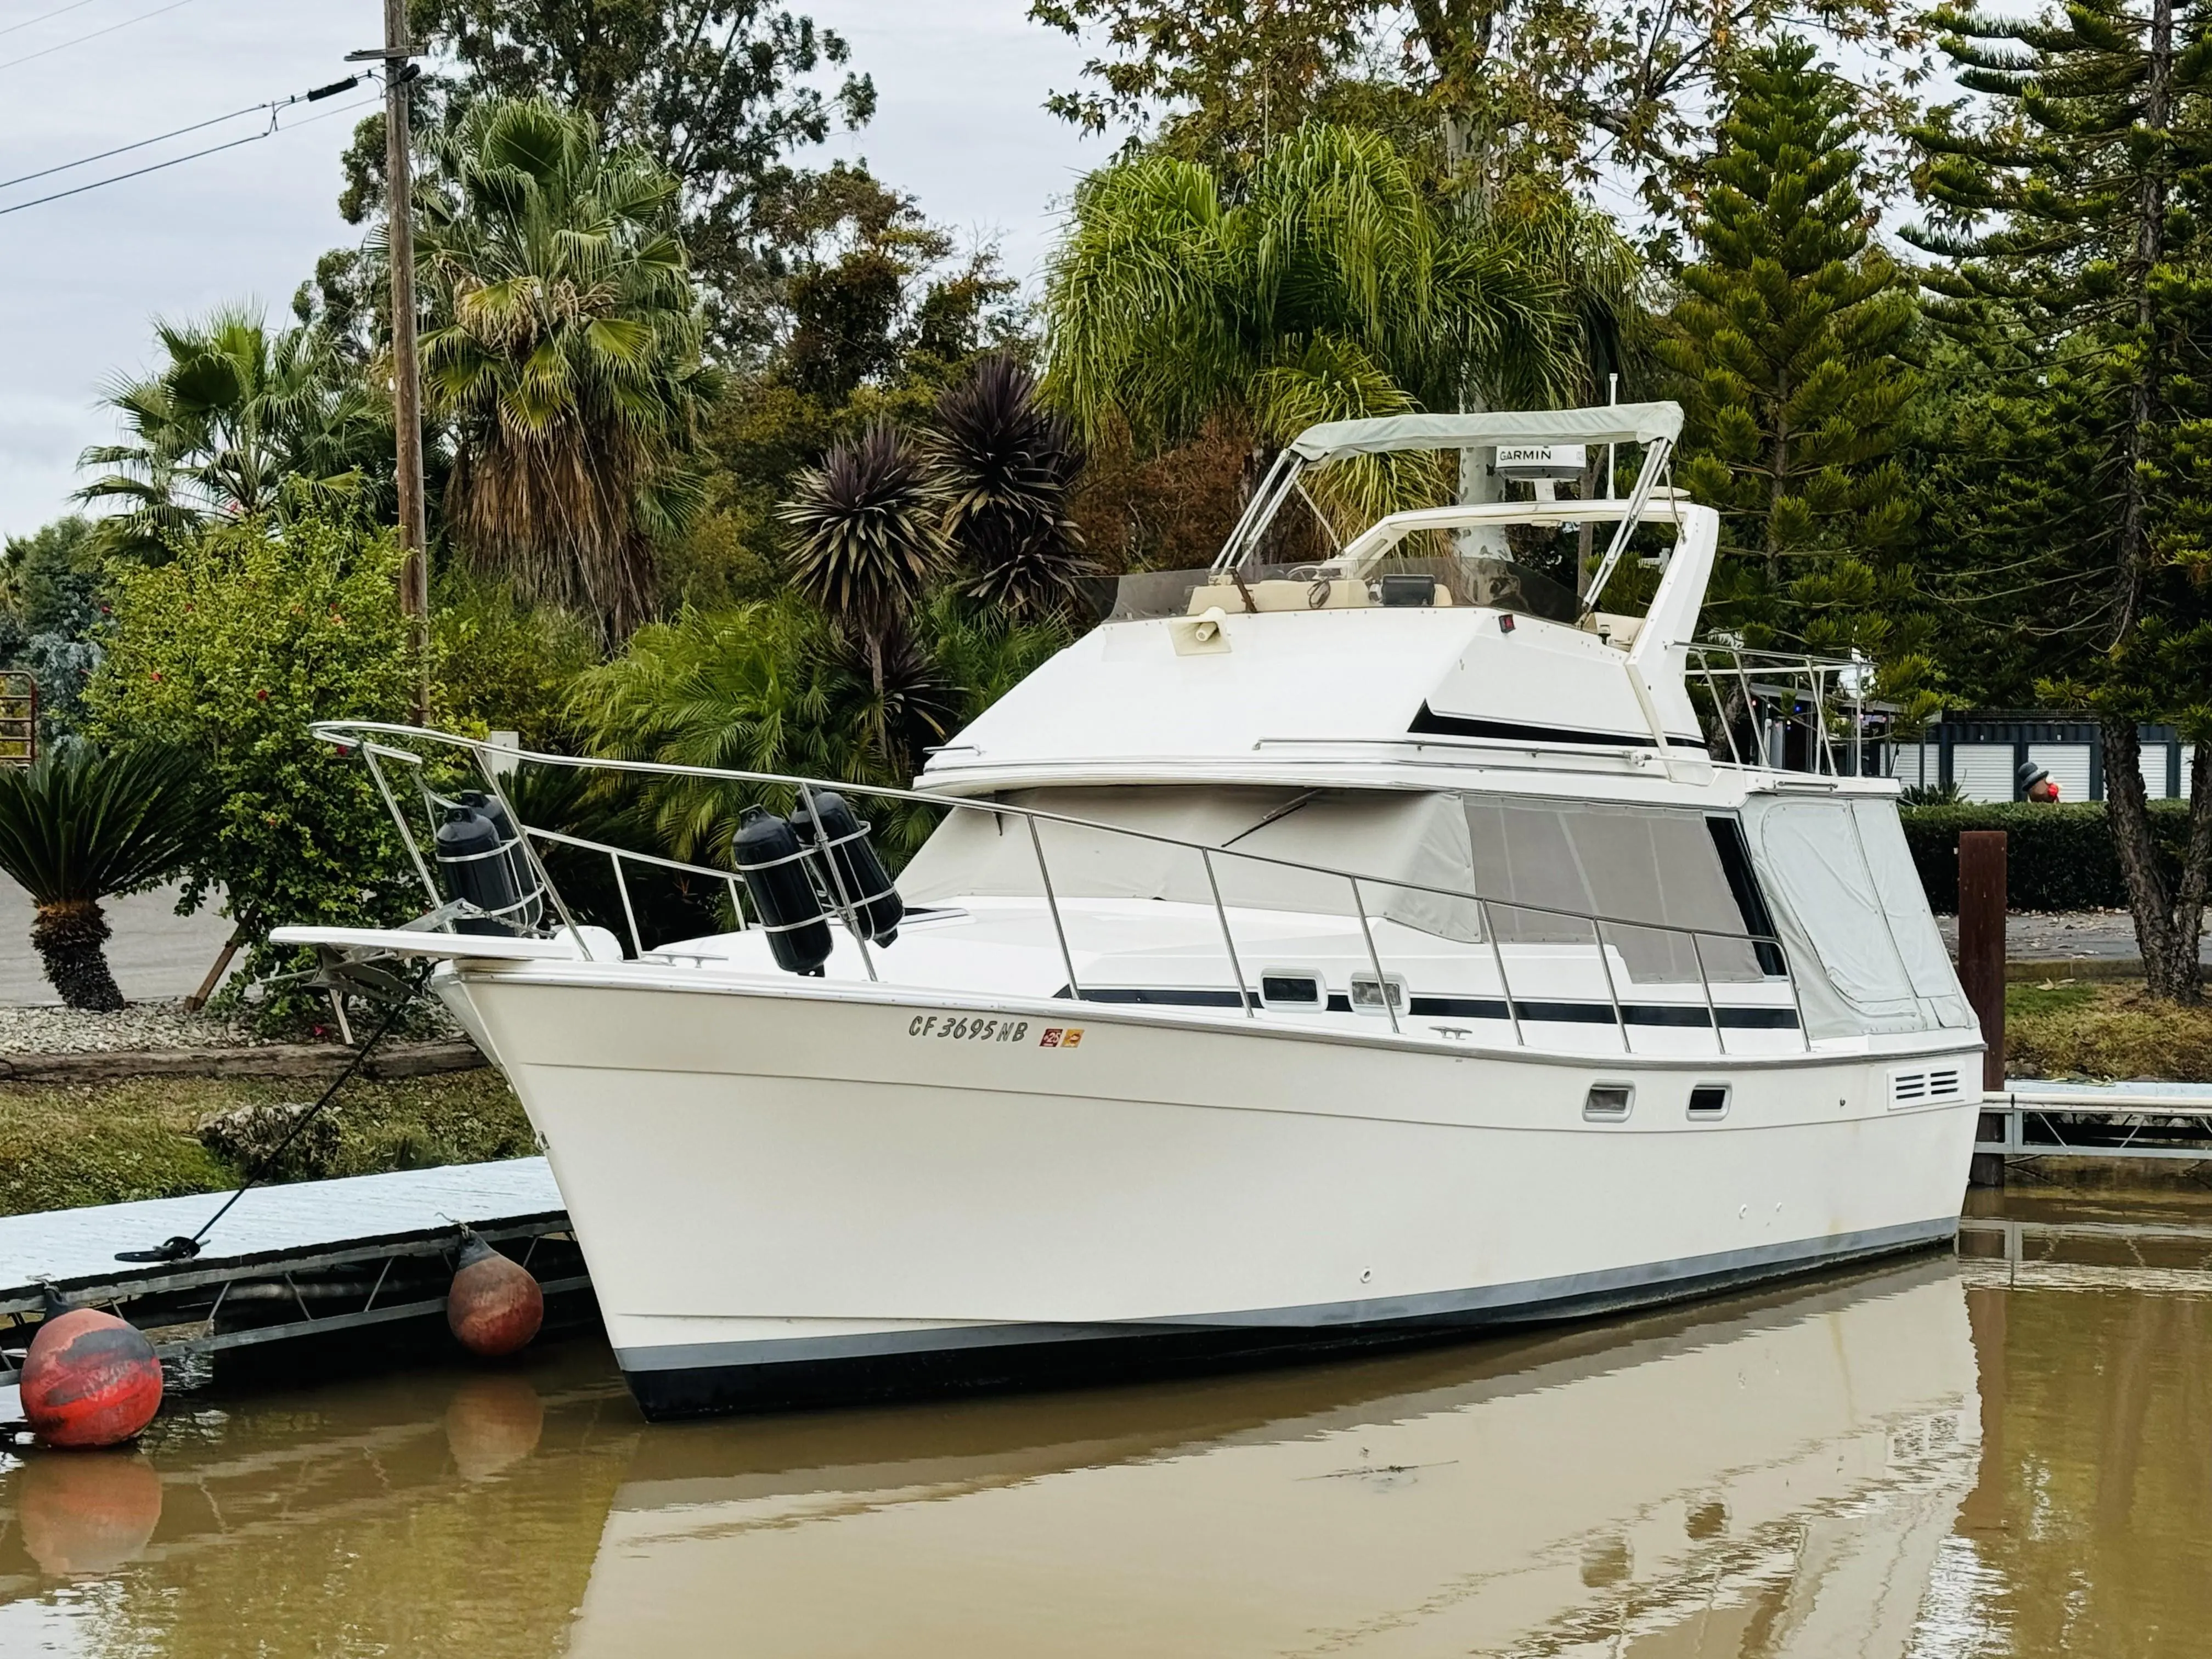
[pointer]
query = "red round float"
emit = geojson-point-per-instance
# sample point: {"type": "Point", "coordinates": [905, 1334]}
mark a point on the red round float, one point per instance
{"type": "Point", "coordinates": [90, 1379]}
{"type": "Point", "coordinates": [494, 1306]}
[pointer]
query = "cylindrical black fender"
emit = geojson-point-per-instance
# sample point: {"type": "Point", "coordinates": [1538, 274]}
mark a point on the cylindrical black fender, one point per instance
{"type": "Point", "coordinates": [845, 865]}
{"type": "Point", "coordinates": [773, 866]}
{"type": "Point", "coordinates": [520, 871]}
{"type": "Point", "coordinates": [473, 865]}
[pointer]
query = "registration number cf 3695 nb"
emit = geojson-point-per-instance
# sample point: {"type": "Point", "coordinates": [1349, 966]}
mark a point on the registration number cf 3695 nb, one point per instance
{"type": "Point", "coordinates": [981, 1028]}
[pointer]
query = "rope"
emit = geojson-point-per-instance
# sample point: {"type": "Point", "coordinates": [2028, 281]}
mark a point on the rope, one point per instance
{"type": "Point", "coordinates": [180, 1248]}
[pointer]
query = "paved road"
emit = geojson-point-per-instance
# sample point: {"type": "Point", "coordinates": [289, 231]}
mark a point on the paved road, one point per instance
{"type": "Point", "coordinates": [155, 953]}
{"type": "Point", "coordinates": [2103, 935]}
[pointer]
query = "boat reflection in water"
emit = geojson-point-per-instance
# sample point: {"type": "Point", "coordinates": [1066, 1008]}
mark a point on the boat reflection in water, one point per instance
{"type": "Point", "coordinates": [1770, 1475]}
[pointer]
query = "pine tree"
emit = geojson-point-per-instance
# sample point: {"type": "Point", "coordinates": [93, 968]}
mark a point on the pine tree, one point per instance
{"type": "Point", "coordinates": [2081, 285]}
{"type": "Point", "coordinates": [1785, 337]}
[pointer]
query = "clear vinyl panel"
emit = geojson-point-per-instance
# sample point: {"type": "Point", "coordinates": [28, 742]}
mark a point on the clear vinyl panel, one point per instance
{"type": "Point", "coordinates": [1640, 864]}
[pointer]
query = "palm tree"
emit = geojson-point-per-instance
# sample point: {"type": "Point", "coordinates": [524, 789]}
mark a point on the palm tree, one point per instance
{"type": "Point", "coordinates": [871, 521]}
{"type": "Point", "coordinates": [237, 421]}
{"type": "Point", "coordinates": [1329, 286]}
{"type": "Point", "coordinates": [83, 825]}
{"type": "Point", "coordinates": [564, 349]}
{"type": "Point", "coordinates": [1008, 464]}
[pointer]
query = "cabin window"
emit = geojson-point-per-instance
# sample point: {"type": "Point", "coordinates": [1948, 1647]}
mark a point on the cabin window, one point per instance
{"type": "Point", "coordinates": [1750, 903]}
{"type": "Point", "coordinates": [1608, 1103]}
{"type": "Point", "coordinates": [1368, 992]}
{"type": "Point", "coordinates": [1641, 865]}
{"type": "Point", "coordinates": [1709, 1102]}
{"type": "Point", "coordinates": [1290, 990]}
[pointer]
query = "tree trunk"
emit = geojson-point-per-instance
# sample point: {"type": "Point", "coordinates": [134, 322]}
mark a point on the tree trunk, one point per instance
{"type": "Point", "coordinates": [2149, 253]}
{"type": "Point", "coordinates": [2169, 955]}
{"type": "Point", "coordinates": [69, 937]}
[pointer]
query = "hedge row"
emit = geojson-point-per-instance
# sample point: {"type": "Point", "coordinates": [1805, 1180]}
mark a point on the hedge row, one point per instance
{"type": "Point", "coordinates": [2056, 858]}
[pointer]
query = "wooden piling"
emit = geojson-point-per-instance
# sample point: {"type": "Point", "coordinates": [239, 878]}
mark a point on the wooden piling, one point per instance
{"type": "Point", "coordinates": [1982, 940]}
{"type": "Point", "coordinates": [1981, 959]}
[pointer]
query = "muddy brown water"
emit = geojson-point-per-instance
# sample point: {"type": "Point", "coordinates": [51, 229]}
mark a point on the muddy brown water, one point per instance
{"type": "Point", "coordinates": [2004, 1451]}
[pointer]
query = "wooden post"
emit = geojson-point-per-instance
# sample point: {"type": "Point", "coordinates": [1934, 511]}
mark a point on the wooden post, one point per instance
{"type": "Point", "coordinates": [1982, 942]}
{"type": "Point", "coordinates": [406, 374]}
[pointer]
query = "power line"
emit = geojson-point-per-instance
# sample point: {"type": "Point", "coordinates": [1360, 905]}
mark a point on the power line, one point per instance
{"type": "Point", "coordinates": [178, 161]}
{"type": "Point", "coordinates": [48, 51]}
{"type": "Point", "coordinates": [42, 15]}
{"type": "Point", "coordinates": [274, 105]}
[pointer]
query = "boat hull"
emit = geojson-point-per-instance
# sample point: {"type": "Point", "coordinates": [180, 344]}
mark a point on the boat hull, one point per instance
{"type": "Point", "coordinates": [796, 1198]}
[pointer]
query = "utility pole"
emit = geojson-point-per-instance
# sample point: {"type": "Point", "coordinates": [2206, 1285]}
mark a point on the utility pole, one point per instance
{"type": "Point", "coordinates": [398, 55]}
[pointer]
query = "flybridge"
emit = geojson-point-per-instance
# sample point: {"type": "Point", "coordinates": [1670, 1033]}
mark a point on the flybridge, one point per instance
{"type": "Point", "coordinates": [1420, 634]}
{"type": "Point", "coordinates": [1655, 425]}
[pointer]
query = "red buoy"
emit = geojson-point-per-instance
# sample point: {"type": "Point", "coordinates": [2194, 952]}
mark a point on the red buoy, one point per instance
{"type": "Point", "coordinates": [494, 1306]}
{"type": "Point", "coordinates": [90, 1379]}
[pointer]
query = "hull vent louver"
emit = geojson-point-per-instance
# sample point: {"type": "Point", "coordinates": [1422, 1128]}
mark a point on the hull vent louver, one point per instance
{"type": "Point", "coordinates": [1918, 1088]}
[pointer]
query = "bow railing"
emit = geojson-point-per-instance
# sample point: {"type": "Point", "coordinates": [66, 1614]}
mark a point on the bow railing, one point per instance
{"type": "Point", "coordinates": [381, 745]}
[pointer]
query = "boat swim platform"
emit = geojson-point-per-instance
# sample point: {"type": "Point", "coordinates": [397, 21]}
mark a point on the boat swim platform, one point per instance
{"type": "Point", "coordinates": [310, 1259]}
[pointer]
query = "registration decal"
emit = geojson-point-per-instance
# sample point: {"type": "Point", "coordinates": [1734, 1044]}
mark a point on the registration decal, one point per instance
{"type": "Point", "coordinates": [967, 1028]}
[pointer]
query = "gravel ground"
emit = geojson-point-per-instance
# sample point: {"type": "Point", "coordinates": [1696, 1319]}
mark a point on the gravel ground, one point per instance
{"type": "Point", "coordinates": [58, 1031]}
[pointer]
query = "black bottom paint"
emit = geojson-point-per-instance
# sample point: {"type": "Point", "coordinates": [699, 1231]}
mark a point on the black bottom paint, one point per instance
{"type": "Point", "coordinates": [1149, 1351]}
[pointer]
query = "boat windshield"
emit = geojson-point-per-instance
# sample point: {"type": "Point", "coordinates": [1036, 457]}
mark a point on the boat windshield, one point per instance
{"type": "Point", "coordinates": [1453, 579]}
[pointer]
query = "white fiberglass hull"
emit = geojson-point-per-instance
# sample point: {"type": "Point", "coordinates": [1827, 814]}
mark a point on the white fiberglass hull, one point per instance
{"type": "Point", "coordinates": [792, 1193]}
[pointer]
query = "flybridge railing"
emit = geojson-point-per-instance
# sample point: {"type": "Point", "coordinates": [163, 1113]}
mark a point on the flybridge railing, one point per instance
{"type": "Point", "coordinates": [378, 743]}
{"type": "Point", "coordinates": [1787, 712]}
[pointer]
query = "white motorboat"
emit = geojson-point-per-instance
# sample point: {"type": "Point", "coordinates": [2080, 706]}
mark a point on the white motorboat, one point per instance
{"type": "Point", "coordinates": [1364, 951]}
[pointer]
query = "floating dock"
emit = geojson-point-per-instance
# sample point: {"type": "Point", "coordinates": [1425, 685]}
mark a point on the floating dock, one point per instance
{"type": "Point", "coordinates": [2169, 1122]}
{"type": "Point", "coordinates": [308, 1260]}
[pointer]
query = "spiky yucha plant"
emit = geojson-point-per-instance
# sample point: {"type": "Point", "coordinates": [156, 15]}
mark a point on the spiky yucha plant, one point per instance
{"type": "Point", "coordinates": [83, 825]}
{"type": "Point", "coordinates": [1008, 465]}
{"type": "Point", "coordinates": [871, 538]}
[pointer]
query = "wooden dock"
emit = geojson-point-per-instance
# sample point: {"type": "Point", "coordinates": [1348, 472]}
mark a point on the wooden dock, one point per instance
{"type": "Point", "coordinates": [311, 1260]}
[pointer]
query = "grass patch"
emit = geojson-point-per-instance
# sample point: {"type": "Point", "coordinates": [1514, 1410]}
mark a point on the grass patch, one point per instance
{"type": "Point", "coordinates": [2106, 1029]}
{"type": "Point", "coordinates": [2049, 996]}
{"type": "Point", "coordinates": [65, 1144]}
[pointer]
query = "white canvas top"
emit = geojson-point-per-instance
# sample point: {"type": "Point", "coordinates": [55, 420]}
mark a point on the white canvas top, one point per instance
{"type": "Point", "coordinates": [1615, 424]}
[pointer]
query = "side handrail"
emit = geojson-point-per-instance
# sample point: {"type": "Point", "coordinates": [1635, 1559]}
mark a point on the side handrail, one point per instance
{"type": "Point", "coordinates": [356, 735]}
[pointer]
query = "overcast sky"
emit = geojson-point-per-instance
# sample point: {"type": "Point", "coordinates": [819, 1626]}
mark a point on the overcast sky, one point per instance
{"type": "Point", "coordinates": [959, 124]}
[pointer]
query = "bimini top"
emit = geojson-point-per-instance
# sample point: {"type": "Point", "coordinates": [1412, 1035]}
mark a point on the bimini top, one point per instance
{"type": "Point", "coordinates": [1615, 424]}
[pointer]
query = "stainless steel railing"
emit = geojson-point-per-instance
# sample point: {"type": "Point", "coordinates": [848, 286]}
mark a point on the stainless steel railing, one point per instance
{"type": "Point", "coordinates": [1761, 699]}
{"type": "Point", "coordinates": [379, 742]}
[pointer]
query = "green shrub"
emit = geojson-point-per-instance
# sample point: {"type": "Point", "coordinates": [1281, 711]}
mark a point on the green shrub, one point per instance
{"type": "Point", "coordinates": [503, 664]}
{"type": "Point", "coordinates": [2056, 858]}
{"type": "Point", "coordinates": [230, 651]}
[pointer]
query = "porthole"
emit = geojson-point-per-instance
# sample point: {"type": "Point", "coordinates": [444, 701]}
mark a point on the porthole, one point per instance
{"type": "Point", "coordinates": [1290, 990]}
{"type": "Point", "coordinates": [1608, 1103]}
{"type": "Point", "coordinates": [1709, 1102]}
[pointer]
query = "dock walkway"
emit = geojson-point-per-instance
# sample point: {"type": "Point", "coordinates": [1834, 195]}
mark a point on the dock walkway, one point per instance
{"type": "Point", "coordinates": [308, 1259]}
